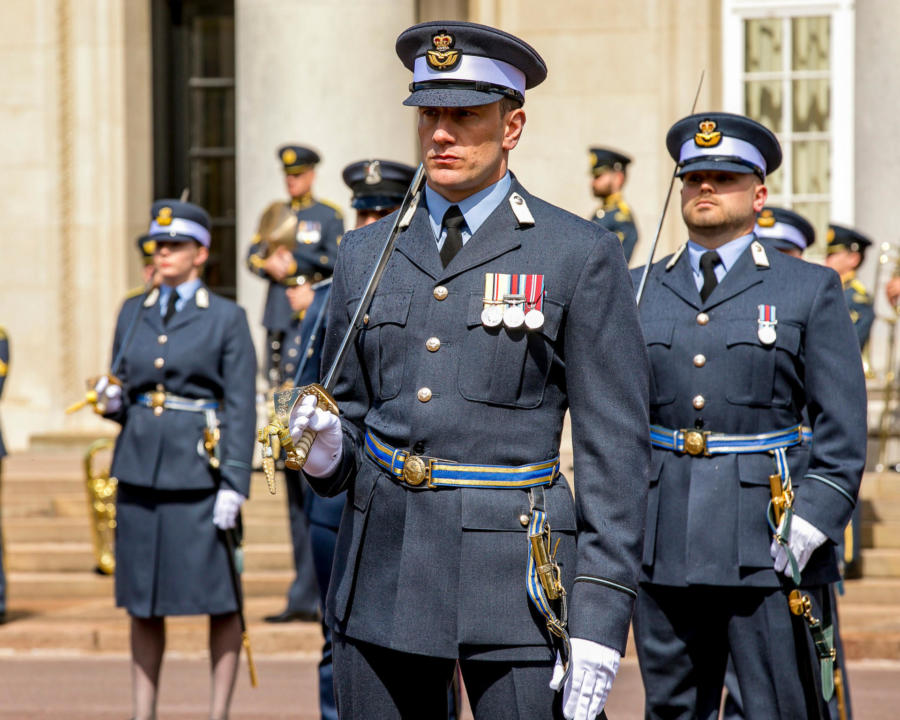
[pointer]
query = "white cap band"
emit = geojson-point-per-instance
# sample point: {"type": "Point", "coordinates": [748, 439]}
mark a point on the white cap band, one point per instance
{"type": "Point", "coordinates": [180, 226]}
{"type": "Point", "coordinates": [727, 147]}
{"type": "Point", "coordinates": [473, 68]}
{"type": "Point", "coordinates": [783, 231]}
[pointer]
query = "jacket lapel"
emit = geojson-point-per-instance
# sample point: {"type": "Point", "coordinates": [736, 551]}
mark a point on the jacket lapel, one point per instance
{"type": "Point", "coordinates": [417, 242]}
{"type": "Point", "coordinates": [744, 273]}
{"type": "Point", "coordinates": [153, 317]}
{"type": "Point", "coordinates": [680, 280]}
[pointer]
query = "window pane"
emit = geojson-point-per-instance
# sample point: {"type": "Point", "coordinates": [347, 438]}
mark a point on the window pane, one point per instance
{"type": "Point", "coordinates": [764, 101]}
{"type": "Point", "coordinates": [811, 167]}
{"type": "Point", "coordinates": [762, 44]}
{"type": "Point", "coordinates": [212, 117]}
{"type": "Point", "coordinates": [812, 105]}
{"type": "Point", "coordinates": [811, 43]}
{"type": "Point", "coordinates": [220, 268]}
{"type": "Point", "coordinates": [213, 185]}
{"type": "Point", "coordinates": [818, 214]}
{"type": "Point", "coordinates": [212, 46]}
{"type": "Point", "coordinates": [775, 184]}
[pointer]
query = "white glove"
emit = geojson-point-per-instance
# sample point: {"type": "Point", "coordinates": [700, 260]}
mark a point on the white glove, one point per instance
{"type": "Point", "coordinates": [804, 540]}
{"type": "Point", "coordinates": [325, 454]}
{"type": "Point", "coordinates": [225, 511]}
{"type": "Point", "coordinates": [592, 669]}
{"type": "Point", "coordinates": [109, 394]}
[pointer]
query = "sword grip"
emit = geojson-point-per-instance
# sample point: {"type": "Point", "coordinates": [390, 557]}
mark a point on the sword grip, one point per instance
{"type": "Point", "coordinates": [251, 666]}
{"type": "Point", "coordinates": [296, 458]}
{"type": "Point", "coordinates": [90, 398]}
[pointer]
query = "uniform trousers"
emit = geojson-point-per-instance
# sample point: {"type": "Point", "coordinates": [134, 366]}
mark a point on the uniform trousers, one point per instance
{"type": "Point", "coordinates": [323, 540]}
{"type": "Point", "coordinates": [377, 683]}
{"type": "Point", "coordinates": [303, 595]}
{"type": "Point", "coordinates": [684, 637]}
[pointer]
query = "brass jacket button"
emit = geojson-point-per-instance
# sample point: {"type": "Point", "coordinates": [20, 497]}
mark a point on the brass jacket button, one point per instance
{"type": "Point", "coordinates": [162, 339]}
{"type": "Point", "coordinates": [424, 394]}
{"type": "Point", "coordinates": [158, 363]}
{"type": "Point", "coordinates": [699, 402]}
{"type": "Point", "coordinates": [699, 360]}
{"type": "Point", "coordinates": [441, 293]}
{"type": "Point", "coordinates": [433, 344]}
{"type": "Point", "coordinates": [702, 319]}
{"type": "Point", "coordinates": [524, 520]}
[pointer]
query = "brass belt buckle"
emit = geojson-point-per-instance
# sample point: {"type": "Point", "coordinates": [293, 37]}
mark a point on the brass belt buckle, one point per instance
{"type": "Point", "coordinates": [695, 441]}
{"type": "Point", "coordinates": [416, 470]}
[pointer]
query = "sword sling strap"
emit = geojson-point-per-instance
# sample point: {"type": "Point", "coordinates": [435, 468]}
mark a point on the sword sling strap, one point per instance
{"type": "Point", "coordinates": [545, 589]}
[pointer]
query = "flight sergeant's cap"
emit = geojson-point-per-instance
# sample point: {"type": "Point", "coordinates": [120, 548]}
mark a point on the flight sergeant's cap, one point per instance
{"type": "Point", "coordinates": [844, 238]}
{"type": "Point", "coordinates": [146, 245]}
{"type": "Point", "coordinates": [297, 159]}
{"type": "Point", "coordinates": [723, 141]}
{"type": "Point", "coordinates": [176, 221]}
{"type": "Point", "coordinates": [784, 229]}
{"type": "Point", "coordinates": [463, 64]}
{"type": "Point", "coordinates": [377, 184]}
{"type": "Point", "coordinates": [605, 159]}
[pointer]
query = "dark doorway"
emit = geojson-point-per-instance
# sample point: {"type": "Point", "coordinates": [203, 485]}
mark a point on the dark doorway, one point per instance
{"type": "Point", "coordinates": [194, 119]}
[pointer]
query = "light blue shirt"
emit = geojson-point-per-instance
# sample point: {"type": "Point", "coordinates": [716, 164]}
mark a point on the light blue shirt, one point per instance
{"type": "Point", "coordinates": [475, 208]}
{"type": "Point", "coordinates": [728, 253]}
{"type": "Point", "coordinates": [185, 292]}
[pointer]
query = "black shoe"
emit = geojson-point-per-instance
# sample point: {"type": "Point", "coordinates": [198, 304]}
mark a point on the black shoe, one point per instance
{"type": "Point", "coordinates": [294, 616]}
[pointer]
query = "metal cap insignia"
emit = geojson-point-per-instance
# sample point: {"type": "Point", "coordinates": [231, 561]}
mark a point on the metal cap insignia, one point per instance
{"type": "Point", "coordinates": [708, 135]}
{"type": "Point", "coordinates": [443, 57]}
{"type": "Point", "coordinates": [373, 173]}
{"type": "Point", "coordinates": [289, 157]}
{"type": "Point", "coordinates": [164, 217]}
{"type": "Point", "coordinates": [766, 219]}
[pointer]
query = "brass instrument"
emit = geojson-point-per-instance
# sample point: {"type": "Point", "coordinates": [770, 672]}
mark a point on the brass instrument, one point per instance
{"type": "Point", "coordinates": [885, 420]}
{"type": "Point", "coordinates": [101, 496]}
{"type": "Point", "coordinates": [277, 228]}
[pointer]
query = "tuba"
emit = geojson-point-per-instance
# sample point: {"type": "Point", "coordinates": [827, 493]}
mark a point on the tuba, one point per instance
{"type": "Point", "coordinates": [277, 228]}
{"type": "Point", "coordinates": [101, 496]}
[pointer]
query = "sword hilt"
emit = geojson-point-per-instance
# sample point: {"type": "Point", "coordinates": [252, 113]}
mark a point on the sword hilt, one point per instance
{"type": "Point", "coordinates": [296, 457]}
{"type": "Point", "coordinates": [90, 398]}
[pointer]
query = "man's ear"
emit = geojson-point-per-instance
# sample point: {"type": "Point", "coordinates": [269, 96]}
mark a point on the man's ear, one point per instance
{"type": "Point", "coordinates": [513, 124]}
{"type": "Point", "coordinates": [760, 195]}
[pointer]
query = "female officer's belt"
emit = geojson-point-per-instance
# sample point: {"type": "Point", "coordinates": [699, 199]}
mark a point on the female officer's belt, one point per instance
{"type": "Point", "coordinates": [419, 471]}
{"type": "Point", "coordinates": [703, 442]}
{"type": "Point", "coordinates": [161, 400]}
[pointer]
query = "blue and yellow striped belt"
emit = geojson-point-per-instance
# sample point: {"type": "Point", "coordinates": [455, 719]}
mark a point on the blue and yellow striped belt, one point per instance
{"type": "Point", "coordinates": [159, 400]}
{"type": "Point", "coordinates": [419, 471]}
{"type": "Point", "coordinates": [704, 442]}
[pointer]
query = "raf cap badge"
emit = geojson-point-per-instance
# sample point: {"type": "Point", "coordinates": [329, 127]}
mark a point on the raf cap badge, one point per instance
{"type": "Point", "coordinates": [766, 324]}
{"type": "Point", "coordinates": [164, 217]}
{"type": "Point", "coordinates": [708, 135]}
{"type": "Point", "coordinates": [766, 219]}
{"type": "Point", "coordinates": [289, 156]}
{"type": "Point", "coordinates": [443, 57]}
{"type": "Point", "coordinates": [373, 173]}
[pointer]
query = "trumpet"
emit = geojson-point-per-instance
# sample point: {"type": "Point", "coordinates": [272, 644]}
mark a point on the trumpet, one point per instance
{"type": "Point", "coordinates": [101, 497]}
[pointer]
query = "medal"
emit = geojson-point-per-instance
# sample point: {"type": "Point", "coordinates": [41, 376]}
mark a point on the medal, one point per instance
{"type": "Point", "coordinates": [534, 301]}
{"type": "Point", "coordinates": [766, 324]}
{"type": "Point", "coordinates": [492, 315]}
{"type": "Point", "coordinates": [513, 315]}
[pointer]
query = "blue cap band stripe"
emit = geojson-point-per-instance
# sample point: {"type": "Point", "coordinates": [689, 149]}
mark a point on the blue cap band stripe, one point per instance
{"type": "Point", "coordinates": [180, 226]}
{"type": "Point", "coordinates": [782, 231]}
{"type": "Point", "coordinates": [727, 147]}
{"type": "Point", "coordinates": [473, 68]}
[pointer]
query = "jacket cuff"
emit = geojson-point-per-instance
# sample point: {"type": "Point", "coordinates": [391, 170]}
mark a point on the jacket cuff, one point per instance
{"type": "Point", "coordinates": [600, 610]}
{"type": "Point", "coordinates": [823, 503]}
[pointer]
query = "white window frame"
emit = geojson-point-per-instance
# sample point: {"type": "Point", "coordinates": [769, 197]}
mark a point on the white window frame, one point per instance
{"type": "Point", "coordinates": [841, 68]}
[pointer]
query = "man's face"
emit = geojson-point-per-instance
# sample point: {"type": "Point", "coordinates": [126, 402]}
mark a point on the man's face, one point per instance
{"type": "Point", "coordinates": [367, 217]}
{"type": "Point", "coordinates": [299, 185]}
{"type": "Point", "coordinates": [608, 182]}
{"type": "Point", "coordinates": [465, 148]}
{"type": "Point", "coordinates": [719, 203]}
{"type": "Point", "coordinates": [843, 261]}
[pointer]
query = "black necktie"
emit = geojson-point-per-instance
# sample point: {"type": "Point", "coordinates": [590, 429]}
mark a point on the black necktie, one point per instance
{"type": "Point", "coordinates": [170, 308]}
{"type": "Point", "coordinates": [453, 220]}
{"type": "Point", "coordinates": [708, 262]}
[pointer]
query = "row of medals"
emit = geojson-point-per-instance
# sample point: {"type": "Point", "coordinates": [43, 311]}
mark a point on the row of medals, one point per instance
{"type": "Point", "coordinates": [510, 312]}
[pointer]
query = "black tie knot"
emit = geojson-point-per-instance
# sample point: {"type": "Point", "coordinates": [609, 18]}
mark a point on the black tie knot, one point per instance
{"type": "Point", "coordinates": [708, 262]}
{"type": "Point", "coordinates": [453, 222]}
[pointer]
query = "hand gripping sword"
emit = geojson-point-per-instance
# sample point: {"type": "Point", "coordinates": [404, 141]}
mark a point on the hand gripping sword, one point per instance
{"type": "Point", "coordinates": [662, 217]}
{"type": "Point", "coordinates": [277, 432]}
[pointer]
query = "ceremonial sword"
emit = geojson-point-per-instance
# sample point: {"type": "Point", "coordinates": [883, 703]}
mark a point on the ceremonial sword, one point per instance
{"type": "Point", "coordinates": [239, 597]}
{"type": "Point", "coordinates": [277, 432]}
{"type": "Point", "coordinates": [662, 217]}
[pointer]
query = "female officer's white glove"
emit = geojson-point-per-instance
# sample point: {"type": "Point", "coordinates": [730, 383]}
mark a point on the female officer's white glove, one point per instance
{"type": "Point", "coordinates": [804, 540]}
{"type": "Point", "coordinates": [225, 511]}
{"type": "Point", "coordinates": [325, 454]}
{"type": "Point", "coordinates": [109, 394]}
{"type": "Point", "coordinates": [592, 669]}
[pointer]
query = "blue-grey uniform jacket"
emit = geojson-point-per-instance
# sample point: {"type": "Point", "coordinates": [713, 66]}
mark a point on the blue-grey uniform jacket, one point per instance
{"type": "Point", "coordinates": [706, 518]}
{"type": "Point", "coordinates": [4, 369]}
{"type": "Point", "coordinates": [862, 309]}
{"type": "Point", "coordinates": [615, 216]}
{"type": "Point", "coordinates": [442, 572]}
{"type": "Point", "coordinates": [319, 231]}
{"type": "Point", "coordinates": [204, 353]}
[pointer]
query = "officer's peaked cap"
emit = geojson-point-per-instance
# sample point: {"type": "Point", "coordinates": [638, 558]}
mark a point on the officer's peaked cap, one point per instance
{"type": "Point", "coordinates": [377, 184]}
{"type": "Point", "coordinates": [603, 159]}
{"type": "Point", "coordinates": [463, 64]}
{"type": "Point", "coordinates": [176, 221]}
{"type": "Point", "coordinates": [723, 141]}
{"type": "Point", "coordinates": [297, 159]}
{"type": "Point", "coordinates": [784, 229]}
{"type": "Point", "coordinates": [844, 238]}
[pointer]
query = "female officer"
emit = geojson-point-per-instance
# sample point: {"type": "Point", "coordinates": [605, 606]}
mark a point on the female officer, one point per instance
{"type": "Point", "coordinates": [185, 398]}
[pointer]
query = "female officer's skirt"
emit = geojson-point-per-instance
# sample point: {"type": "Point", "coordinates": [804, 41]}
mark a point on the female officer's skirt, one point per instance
{"type": "Point", "coordinates": [170, 558]}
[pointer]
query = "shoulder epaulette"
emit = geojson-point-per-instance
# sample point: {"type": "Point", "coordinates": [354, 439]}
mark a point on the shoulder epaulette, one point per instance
{"type": "Point", "coordinates": [623, 208]}
{"type": "Point", "coordinates": [337, 211]}
{"type": "Point", "coordinates": [134, 292]}
{"type": "Point", "coordinates": [859, 288]}
{"type": "Point", "coordinates": [2, 333]}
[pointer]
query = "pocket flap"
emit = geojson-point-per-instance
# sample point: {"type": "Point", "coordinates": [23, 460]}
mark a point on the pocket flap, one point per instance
{"type": "Point", "coordinates": [389, 308]}
{"type": "Point", "coordinates": [502, 510]}
{"type": "Point", "coordinates": [746, 332]}
{"type": "Point", "coordinates": [658, 332]}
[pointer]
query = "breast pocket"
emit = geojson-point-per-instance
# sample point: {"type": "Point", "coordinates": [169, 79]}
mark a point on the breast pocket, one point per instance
{"type": "Point", "coordinates": [382, 340]}
{"type": "Point", "coordinates": [751, 365]}
{"type": "Point", "coordinates": [658, 337]}
{"type": "Point", "coordinates": [503, 366]}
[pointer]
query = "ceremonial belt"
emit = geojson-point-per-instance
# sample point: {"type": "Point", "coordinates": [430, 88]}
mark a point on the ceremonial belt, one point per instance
{"type": "Point", "coordinates": [428, 472]}
{"type": "Point", "coordinates": [176, 402]}
{"type": "Point", "coordinates": [704, 442]}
